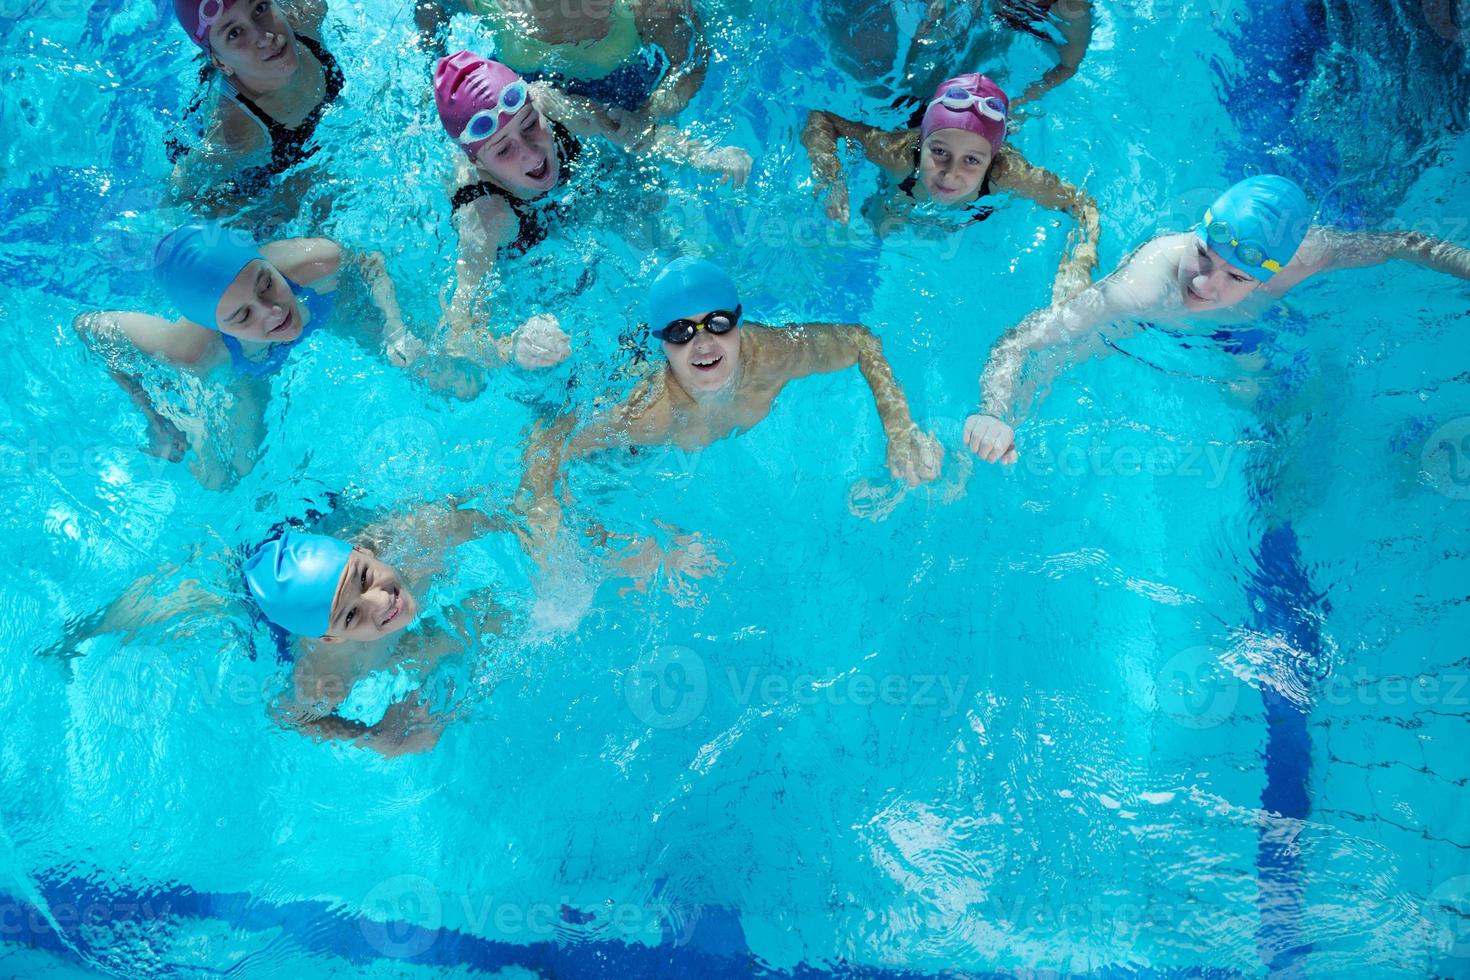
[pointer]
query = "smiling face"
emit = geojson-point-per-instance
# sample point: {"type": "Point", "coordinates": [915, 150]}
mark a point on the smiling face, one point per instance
{"type": "Point", "coordinates": [259, 306]}
{"type": "Point", "coordinates": [255, 45]}
{"type": "Point", "coordinates": [706, 363]}
{"type": "Point", "coordinates": [953, 163]}
{"type": "Point", "coordinates": [371, 601]}
{"type": "Point", "coordinates": [522, 156]}
{"type": "Point", "coordinates": [1208, 282]}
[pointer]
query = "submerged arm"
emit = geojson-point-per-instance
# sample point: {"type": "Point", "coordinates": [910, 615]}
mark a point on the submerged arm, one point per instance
{"type": "Point", "coordinates": [1038, 184]}
{"type": "Point", "coordinates": [819, 348]}
{"type": "Point", "coordinates": [681, 35]}
{"type": "Point", "coordinates": [637, 133]}
{"type": "Point", "coordinates": [404, 350]}
{"type": "Point", "coordinates": [889, 150]}
{"type": "Point", "coordinates": [1073, 18]}
{"type": "Point", "coordinates": [1326, 249]}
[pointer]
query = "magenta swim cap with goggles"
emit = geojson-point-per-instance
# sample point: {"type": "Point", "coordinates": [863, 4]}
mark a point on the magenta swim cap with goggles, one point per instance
{"type": "Point", "coordinates": [970, 102]}
{"type": "Point", "coordinates": [198, 16]}
{"type": "Point", "coordinates": [476, 97]}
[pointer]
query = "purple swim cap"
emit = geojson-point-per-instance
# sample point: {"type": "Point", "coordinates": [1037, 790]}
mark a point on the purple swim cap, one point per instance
{"type": "Point", "coordinates": [466, 84]}
{"type": "Point", "coordinates": [970, 102]}
{"type": "Point", "coordinates": [197, 16]}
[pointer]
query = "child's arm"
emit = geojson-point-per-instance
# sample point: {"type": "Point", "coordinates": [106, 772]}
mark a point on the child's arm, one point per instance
{"type": "Point", "coordinates": [1038, 184]}
{"type": "Point", "coordinates": [681, 36]}
{"type": "Point", "coordinates": [441, 373]}
{"type": "Point", "coordinates": [1328, 249]}
{"type": "Point", "coordinates": [820, 348]}
{"type": "Point", "coordinates": [1073, 19]}
{"type": "Point", "coordinates": [484, 226]}
{"type": "Point", "coordinates": [140, 606]}
{"type": "Point", "coordinates": [1134, 286]}
{"type": "Point", "coordinates": [636, 133]}
{"type": "Point", "coordinates": [886, 149]}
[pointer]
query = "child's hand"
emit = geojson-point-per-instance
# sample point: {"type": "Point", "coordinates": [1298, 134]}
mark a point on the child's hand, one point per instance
{"type": "Point", "coordinates": [991, 439]}
{"type": "Point", "coordinates": [402, 347]}
{"type": "Point", "coordinates": [540, 342]}
{"type": "Point", "coordinates": [408, 727]}
{"type": "Point", "coordinates": [731, 162]}
{"type": "Point", "coordinates": [837, 205]}
{"type": "Point", "coordinates": [914, 456]}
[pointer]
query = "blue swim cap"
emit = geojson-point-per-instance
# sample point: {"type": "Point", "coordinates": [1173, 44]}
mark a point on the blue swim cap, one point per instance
{"type": "Point", "coordinates": [1258, 224]}
{"type": "Point", "coordinates": [294, 579]}
{"type": "Point", "coordinates": [688, 286]}
{"type": "Point", "coordinates": [196, 264]}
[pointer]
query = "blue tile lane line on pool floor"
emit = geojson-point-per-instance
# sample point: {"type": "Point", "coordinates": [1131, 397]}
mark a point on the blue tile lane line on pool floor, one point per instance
{"type": "Point", "coordinates": [1278, 50]}
{"type": "Point", "coordinates": [715, 949]}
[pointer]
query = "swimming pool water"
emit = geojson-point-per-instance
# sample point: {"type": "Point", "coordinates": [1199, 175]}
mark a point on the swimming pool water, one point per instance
{"type": "Point", "coordinates": [1183, 691]}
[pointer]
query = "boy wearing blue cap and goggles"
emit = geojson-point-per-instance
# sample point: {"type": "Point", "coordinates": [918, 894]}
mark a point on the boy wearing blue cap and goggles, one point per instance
{"type": "Point", "coordinates": [721, 376]}
{"type": "Point", "coordinates": [350, 622]}
{"type": "Point", "coordinates": [244, 308]}
{"type": "Point", "coordinates": [1256, 240]}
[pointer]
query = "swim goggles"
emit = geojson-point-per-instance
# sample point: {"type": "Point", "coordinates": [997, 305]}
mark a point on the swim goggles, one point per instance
{"type": "Point", "coordinates": [209, 12]}
{"type": "Point", "coordinates": [1249, 253]}
{"type": "Point", "coordinates": [959, 99]}
{"type": "Point", "coordinates": [485, 123]}
{"type": "Point", "coordinates": [683, 331]}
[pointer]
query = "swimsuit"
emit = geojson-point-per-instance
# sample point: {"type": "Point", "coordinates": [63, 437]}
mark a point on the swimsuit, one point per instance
{"type": "Point", "coordinates": [288, 145]}
{"type": "Point", "coordinates": [320, 307]}
{"type": "Point", "coordinates": [617, 69]}
{"type": "Point", "coordinates": [533, 223]}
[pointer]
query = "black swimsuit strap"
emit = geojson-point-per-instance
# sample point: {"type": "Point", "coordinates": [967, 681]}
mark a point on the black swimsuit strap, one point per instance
{"type": "Point", "coordinates": [530, 221]}
{"type": "Point", "coordinates": [288, 144]}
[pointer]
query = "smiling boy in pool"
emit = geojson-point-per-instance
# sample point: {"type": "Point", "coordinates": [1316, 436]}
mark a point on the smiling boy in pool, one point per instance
{"type": "Point", "coordinates": [348, 615]}
{"type": "Point", "coordinates": [722, 376]}
{"type": "Point", "coordinates": [1256, 242]}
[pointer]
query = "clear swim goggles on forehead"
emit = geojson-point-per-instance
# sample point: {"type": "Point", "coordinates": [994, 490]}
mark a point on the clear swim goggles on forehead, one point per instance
{"type": "Point", "coordinates": [486, 123]}
{"type": "Point", "coordinates": [959, 99]}
{"type": "Point", "coordinates": [1250, 253]}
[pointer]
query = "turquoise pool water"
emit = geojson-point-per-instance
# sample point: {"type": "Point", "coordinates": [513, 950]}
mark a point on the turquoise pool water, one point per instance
{"type": "Point", "coordinates": [1183, 693]}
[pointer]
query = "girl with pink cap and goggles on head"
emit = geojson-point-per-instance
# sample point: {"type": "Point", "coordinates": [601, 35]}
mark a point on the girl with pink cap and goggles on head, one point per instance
{"type": "Point", "coordinates": [955, 158]}
{"type": "Point", "coordinates": [276, 81]}
{"type": "Point", "coordinates": [520, 141]}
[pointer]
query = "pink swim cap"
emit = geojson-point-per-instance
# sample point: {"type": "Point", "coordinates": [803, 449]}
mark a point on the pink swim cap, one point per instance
{"type": "Point", "coordinates": [464, 84]}
{"type": "Point", "coordinates": [947, 110]}
{"type": "Point", "coordinates": [197, 16]}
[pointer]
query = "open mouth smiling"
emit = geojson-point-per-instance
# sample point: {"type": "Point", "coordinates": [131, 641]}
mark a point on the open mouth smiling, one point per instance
{"type": "Point", "coordinates": [708, 363]}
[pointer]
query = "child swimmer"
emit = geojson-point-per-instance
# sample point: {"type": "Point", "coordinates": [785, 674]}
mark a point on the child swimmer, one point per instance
{"type": "Point", "coordinates": [1253, 245]}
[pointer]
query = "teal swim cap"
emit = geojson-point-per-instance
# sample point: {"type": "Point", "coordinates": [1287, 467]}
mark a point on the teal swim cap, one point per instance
{"type": "Point", "coordinates": [196, 264]}
{"type": "Point", "coordinates": [686, 287]}
{"type": "Point", "coordinates": [294, 580]}
{"type": "Point", "coordinates": [1258, 224]}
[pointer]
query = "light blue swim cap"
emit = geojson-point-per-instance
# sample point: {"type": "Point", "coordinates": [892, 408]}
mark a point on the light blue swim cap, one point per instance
{"type": "Point", "coordinates": [294, 579]}
{"type": "Point", "coordinates": [196, 264]}
{"type": "Point", "coordinates": [688, 286]}
{"type": "Point", "coordinates": [1258, 224]}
